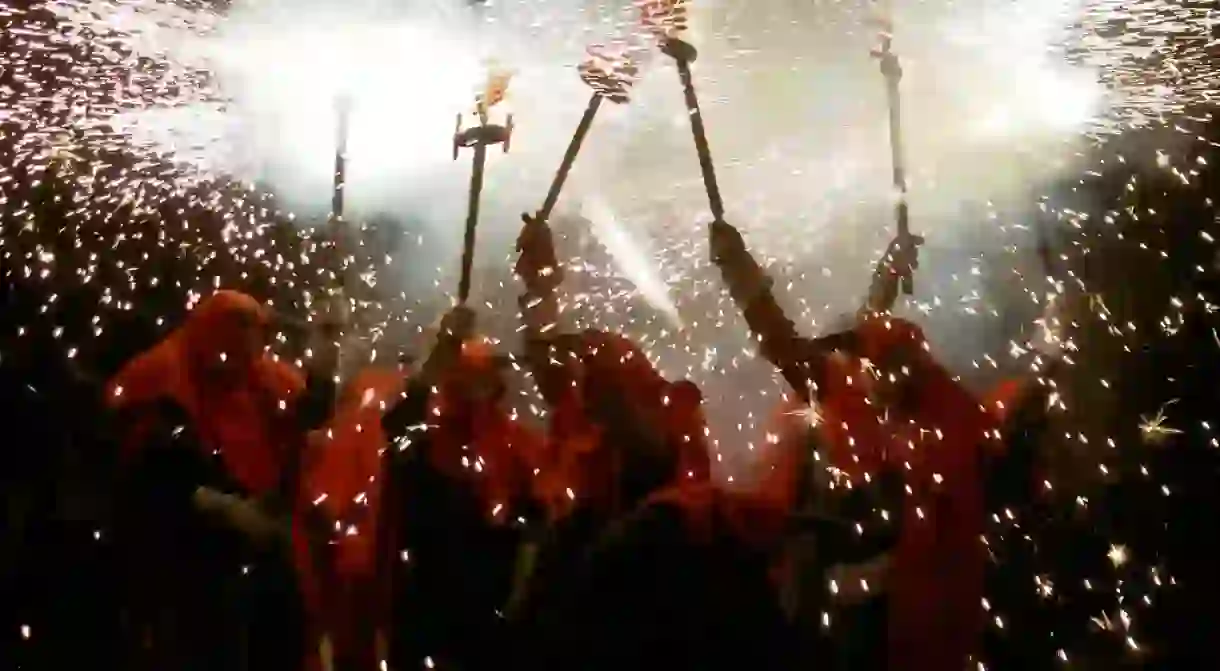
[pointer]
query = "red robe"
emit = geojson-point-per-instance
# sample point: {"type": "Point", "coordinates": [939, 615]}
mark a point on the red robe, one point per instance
{"type": "Point", "coordinates": [475, 441]}
{"type": "Point", "coordinates": [239, 400]}
{"type": "Point", "coordinates": [937, 574]}
{"type": "Point", "coordinates": [939, 563]}
{"type": "Point", "coordinates": [583, 468]}
{"type": "Point", "coordinates": [343, 481]}
{"type": "Point", "coordinates": [779, 457]}
{"type": "Point", "coordinates": [238, 405]}
{"type": "Point", "coordinates": [464, 481]}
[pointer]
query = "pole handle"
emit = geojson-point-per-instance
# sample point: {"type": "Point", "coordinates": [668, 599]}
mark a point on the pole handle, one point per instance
{"type": "Point", "coordinates": [472, 221]}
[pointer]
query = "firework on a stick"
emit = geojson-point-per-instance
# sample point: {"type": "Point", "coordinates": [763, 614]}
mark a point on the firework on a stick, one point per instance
{"type": "Point", "coordinates": [663, 19]}
{"type": "Point", "coordinates": [478, 138]}
{"type": "Point", "coordinates": [610, 70]}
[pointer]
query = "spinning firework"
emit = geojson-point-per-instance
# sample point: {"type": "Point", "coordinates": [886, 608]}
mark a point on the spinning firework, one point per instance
{"type": "Point", "coordinates": [609, 73]}
{"type": "Point", "coordinates": [480, 137]}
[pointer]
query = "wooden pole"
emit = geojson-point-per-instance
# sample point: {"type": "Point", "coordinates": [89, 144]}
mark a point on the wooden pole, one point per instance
{"type": "Point", "coordinates": [478, 138]}
{"type": "Point", "coordinates": [683, 54]}
{"type": "Point", "coordinates": [569, 158]}
{"type": "Point", "coordinates": [472, 220]}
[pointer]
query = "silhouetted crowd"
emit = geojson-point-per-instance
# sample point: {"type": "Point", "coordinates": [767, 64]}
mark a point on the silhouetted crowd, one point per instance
{"type": "Point", "coordinates": [193, 500]}
{"type": "Point", "coordinates": [262, 516]}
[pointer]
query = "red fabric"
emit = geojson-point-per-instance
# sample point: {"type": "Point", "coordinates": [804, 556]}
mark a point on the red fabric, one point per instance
{"type": "Point", "coordinates": [473, 439]}
{"type": "Point", "coordinates": [236, 396]}
{"type": "Point", "coordinates": [582, 461]}
{"type": "Point", "coordinates": [341, 477]}
{"type": "Point", "coordinates": [342, 480]}
{"type": "Point", "coordinates": [688, 431]}
{"type": "Point", "coordinates": [778, 461]}
{"type": "Point", "coordinates": [675, 409]}
{"type": "Point", "coordinates": [237, 403]}
{"type": "Point", "coordinates": [847, 425]}
{"type": "Point", "coordinates": [1001, 399]}
{"type": "Point", "coordinates": [579, 468]}
{"type": "Point", "coordinates": [936, 579]}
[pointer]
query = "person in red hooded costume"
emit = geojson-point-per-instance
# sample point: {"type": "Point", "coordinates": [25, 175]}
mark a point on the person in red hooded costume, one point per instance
{"type": "Point", "coordinates": [348, 600]}
{"type": "Point", "coordinates": [456, 503]}
{"type": "Point", "coordinates": [883, 404]}
{"type": "Point", "coordinates": [211, 429]}
{"type": "Point", "coordinates": [605, 396]}
{"type": "Point", "coordinates": [617, 431]}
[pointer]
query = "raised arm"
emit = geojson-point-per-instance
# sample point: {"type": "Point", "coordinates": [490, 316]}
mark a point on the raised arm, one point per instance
{"type": "Point", "coordinates": [797, 358]}
{"type": "Point", "coordinates": [540, 272]}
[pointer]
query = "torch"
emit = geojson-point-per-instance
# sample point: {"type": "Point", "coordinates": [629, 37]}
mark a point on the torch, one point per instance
{"type": "Point", "coordinates": [891, 69]}
{"type": "Point", "coordinates": [479, 138]}
{"type": "Point", "coordinates": [609, 74]}
{"type": "Point", "coordinates": [666, 19]}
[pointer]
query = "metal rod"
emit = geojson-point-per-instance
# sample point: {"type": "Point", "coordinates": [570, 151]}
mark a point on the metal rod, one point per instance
{"type": "Point", "coordinates": [892, 70]}
{"type": "Point", "coordinates": [701, 146]}
{"type": "Point", "coordinates": [472, 220]}
{"type": "Point", "coordinates": [338, 188]}
{"type": "Point", "coordinates": [569, 157]}
{"type": "Point", "coordinates": [340, 176]}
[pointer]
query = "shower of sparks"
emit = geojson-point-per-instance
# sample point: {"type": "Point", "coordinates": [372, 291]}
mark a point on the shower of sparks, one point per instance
{"type": "Point", "coordinates": [633, 263]}
{"type": "Point", "coordinates": [141, 127]}
{"type": "Point", "coordinates": [159, 110]}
